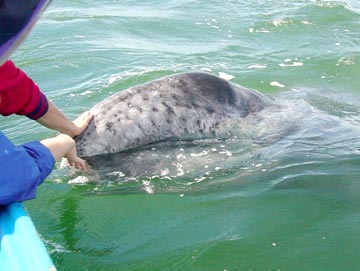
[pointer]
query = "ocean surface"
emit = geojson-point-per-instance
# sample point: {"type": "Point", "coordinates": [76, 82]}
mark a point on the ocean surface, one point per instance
{"type": "Point", "coordinates": [282, 194]}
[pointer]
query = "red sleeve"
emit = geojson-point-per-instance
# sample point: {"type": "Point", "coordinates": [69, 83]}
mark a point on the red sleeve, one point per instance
{"type": "Point", "coordinates": [19, 94]}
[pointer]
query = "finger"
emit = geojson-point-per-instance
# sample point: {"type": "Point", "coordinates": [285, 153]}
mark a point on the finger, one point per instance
{"type": "Point", "coordinates": [85, 117]}
{"type": "Point", "coordinates": [81, 164]}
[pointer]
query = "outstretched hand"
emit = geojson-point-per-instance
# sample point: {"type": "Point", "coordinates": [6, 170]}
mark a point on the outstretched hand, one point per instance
{"type": "Point", "coordinates": [56, 120]}
{"type": "Point", "coordinates": [64, 146]}
{"type": "Point", "coordinates": [81, 122]}
{"type": "Point", "coordinates": [75, 160]}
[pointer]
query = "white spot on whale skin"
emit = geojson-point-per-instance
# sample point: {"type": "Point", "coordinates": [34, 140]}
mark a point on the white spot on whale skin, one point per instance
{"type": "Point", "coordinates": [180, 156]}
{"type": "Point", "coordinates": [226, 152]}
{"type": "Point", "coordinates": [203, 153]}
{"type": "Point", "coordinates": [116, 174]}
{"type": "Point", "coordinates": [165, 172]}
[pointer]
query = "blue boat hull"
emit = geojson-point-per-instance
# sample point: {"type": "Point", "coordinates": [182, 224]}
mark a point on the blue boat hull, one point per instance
{"type": "Point", "coordinates": [21, 248]}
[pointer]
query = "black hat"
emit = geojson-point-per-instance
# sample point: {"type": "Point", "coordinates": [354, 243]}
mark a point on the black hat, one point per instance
{"type": "Point", "coordinates": [17, 17]}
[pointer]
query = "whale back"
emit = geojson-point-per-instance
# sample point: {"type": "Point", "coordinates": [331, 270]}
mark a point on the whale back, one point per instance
{"type": "Point", "coordinates": [180, 106]}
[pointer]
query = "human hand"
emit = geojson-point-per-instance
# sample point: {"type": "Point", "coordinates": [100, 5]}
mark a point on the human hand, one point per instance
{"type": "Point", "coordinates": [82, 122]}
{"type": "Point", "coordinates": [74, 160]}
{"type": "Point", "coordinates": [56, 120]}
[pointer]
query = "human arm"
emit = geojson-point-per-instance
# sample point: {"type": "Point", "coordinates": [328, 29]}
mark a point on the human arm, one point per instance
{"type": "Point", "coordinates": [56, 120]}
{"type": "Point", "coordinates": [20, 95]}
{"type": "Point", "coordinates": [64, 146]}
{"type": "Point", "coordinates": [22, 169]}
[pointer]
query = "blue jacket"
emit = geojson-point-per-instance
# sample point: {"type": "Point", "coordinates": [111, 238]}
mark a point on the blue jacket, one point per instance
{"type": "Point", "coordinates": [22, 169]}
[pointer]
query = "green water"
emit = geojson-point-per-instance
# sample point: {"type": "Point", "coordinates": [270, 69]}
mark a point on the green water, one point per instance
{"type": "Point", "coordinates": [288, 196]}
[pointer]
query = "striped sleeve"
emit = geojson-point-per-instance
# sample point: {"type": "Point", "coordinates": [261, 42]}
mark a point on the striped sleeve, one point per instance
{"type": "Point", "coordinates": [19, 94]}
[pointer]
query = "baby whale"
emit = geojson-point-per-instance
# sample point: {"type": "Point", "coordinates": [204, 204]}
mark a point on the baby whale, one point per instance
{"type": "Point", "coordinates": [177, 107]}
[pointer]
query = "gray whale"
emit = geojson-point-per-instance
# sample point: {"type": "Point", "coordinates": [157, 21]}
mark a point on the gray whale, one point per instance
{"type": "Point", "coordinates": [176, 107]}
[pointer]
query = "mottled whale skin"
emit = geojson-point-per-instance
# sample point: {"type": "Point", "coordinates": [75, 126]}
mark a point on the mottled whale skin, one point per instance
{"type": "Point", "coordinates": [180, 106]}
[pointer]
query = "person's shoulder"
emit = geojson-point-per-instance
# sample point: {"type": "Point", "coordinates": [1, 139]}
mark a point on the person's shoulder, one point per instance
{"type": "Point", "coordinates": [8, 64]}
{"type": "Point", "coordinates": [7, 69]}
